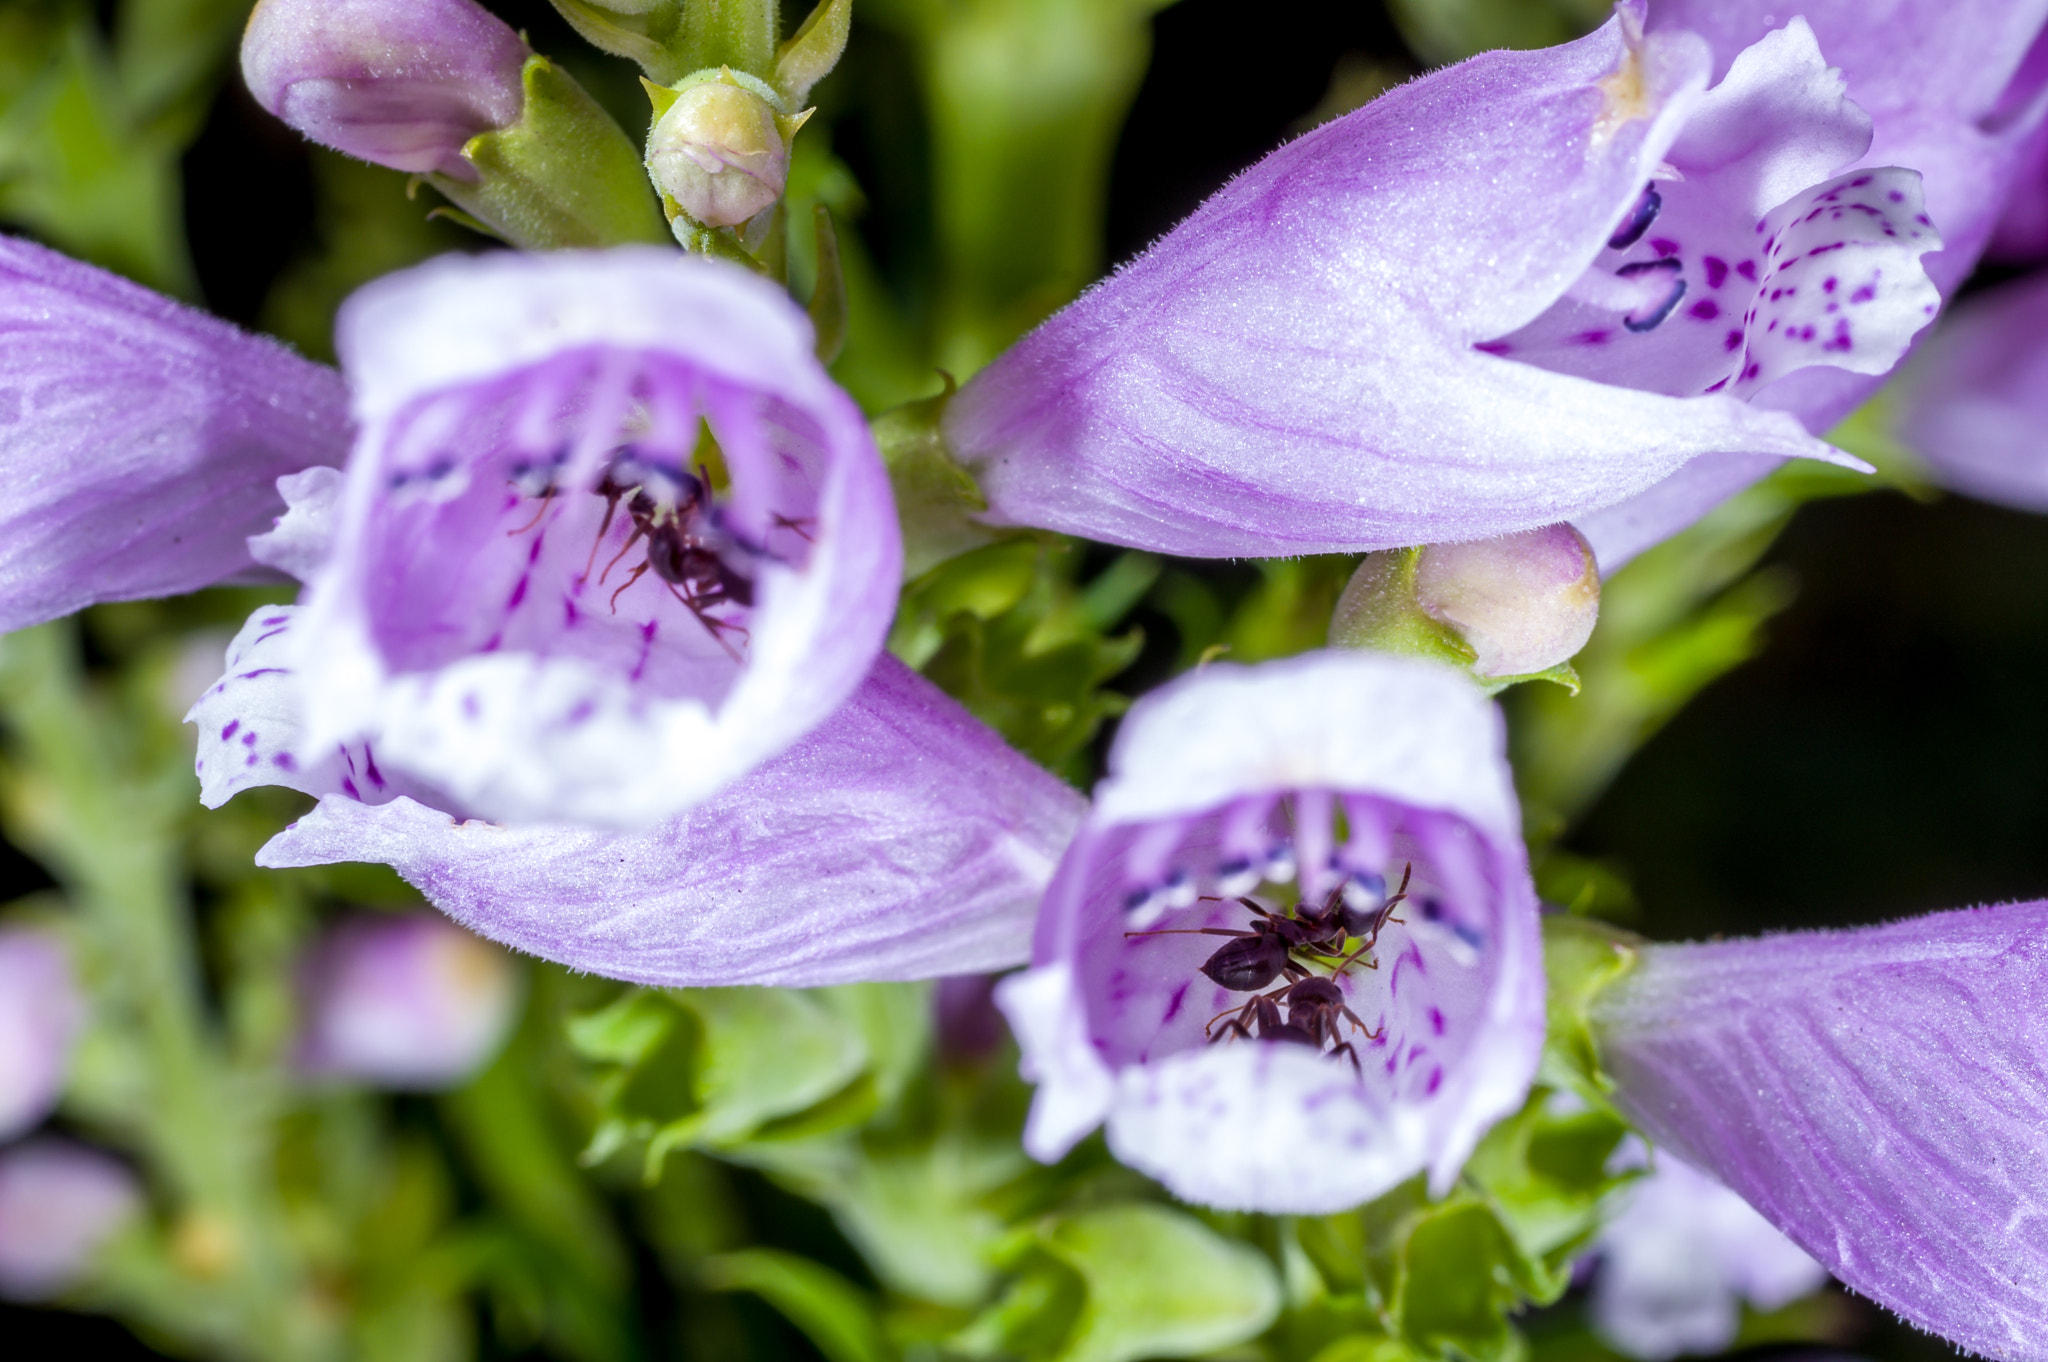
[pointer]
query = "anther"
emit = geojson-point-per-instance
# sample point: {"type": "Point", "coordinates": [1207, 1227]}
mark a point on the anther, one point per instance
{"type": "Point", "coordinates": [1637, 220]}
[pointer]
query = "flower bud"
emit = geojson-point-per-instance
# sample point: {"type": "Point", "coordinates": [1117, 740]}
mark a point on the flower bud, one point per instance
{"type": "Point", "coordinates": [1520, 604]}
{"type": "Point", "coordinates": [409, 1002]}
{"type": "Point", "coordinates": [401, 83]}
{"type": "Point", "coordinates": [59, 1202]}
{"type": "Point", "coordinates": [40, 1012]}
{"type": "Point", "coordinates": [719, 150]}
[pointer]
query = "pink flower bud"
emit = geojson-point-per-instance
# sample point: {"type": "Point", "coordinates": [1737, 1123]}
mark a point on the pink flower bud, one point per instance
{"type": "Point", "coordinates": [402, 83]}
{"type": "Point", "coordinates": [719, 152]}
{"type": "Point", "coordinates": [40, 1012]}
{"type": "Point", "coordinates": [404, 1002]}
{"type": "Point", "coordinates": [1521, 603]}
{"type": "Point", "coordinates": [59, 1202]}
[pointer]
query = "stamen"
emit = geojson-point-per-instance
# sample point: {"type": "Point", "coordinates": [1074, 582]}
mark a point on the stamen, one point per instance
{"type": "Point", "coordinates": [1637, 220]}
{"type": "Point", "coordinates": [1637, 320]}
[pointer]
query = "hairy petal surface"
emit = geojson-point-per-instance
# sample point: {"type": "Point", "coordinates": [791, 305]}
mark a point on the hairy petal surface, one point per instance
{"type": "Point", "coordinates": [1871, 1094]}
{"type": "Point", "coordinates": [1236, 777]}
{"type": "Point", "coordinates": [1974, 401]}
{"type": "Point", "coordinates": [900, 839]}
{"type": "Point", "coordinates": [1300, 366]}
{"type": "Point", "coordinates": [1955, 92]}
{"type": "Point", "coordinates": [610, 536]}
{"type": "Point", "coordinates": [140, 440]}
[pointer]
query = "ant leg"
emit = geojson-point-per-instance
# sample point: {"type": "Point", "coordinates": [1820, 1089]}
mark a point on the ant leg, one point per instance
{"type": "Point", "coordinates": [1190, 931]}
{"type": "Point", "coordinates": [546, 499]}
{"type": "Point", "coordinates": [795, 525]}
{"type": "Point", "coordinates": [638, 573]}
{"type": "Point", "coordinates": [714, 627]}
{"type": "Point", "coordinates": [1350, 1054]}
{"type": "Point", "coordinates": [611, 508]}
{"type": "Point", "coordinates": [1235, 1025]}
{"type": "Point", "coordinates": [1360, 1026]}
{"type": "Point", "coordinates": [1243, 1013]}
{"type": "Point", "coordinates": [624, 549]}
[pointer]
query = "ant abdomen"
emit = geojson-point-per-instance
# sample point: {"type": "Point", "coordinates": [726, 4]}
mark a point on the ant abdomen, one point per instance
{"type": "Point", "coordinates": [1248, 963]}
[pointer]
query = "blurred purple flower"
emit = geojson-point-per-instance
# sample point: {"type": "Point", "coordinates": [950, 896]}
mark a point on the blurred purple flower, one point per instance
{"type": "Point", "coordinates": [403, 83]}
{"type": "Point", "coordinates": [1877, 1094]}
{"type": "Point", "coordinates": [404, 1001]}
{"type": "Point", "coordinates": [1679, 1259]}
{"type": "Point", "coordinates": [1511, 292]}
{"type": "Point", "coordinates": [40, 1015]}
{"type": "Point", "coordinates": [140, 441]}
{"type": "Point", "coordinates": [1237, 776]}
{"type": "Point", "coordinates": [1954, 90]}
{"type": "Point", "coordinates": [1974, 401]}
{"type": "Point", "coordinates": [59, 1203]}
{"type": "Point", "coordinates": [2022, 235]}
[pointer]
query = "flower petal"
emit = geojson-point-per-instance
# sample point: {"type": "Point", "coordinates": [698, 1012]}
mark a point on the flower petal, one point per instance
{"type": "Point", "coordinates": [1276, 376]}
{"type": "Point", "coordinates": [462, 621]}
{"type": "Point", "coordinates": [140, 441]}
{"type": "Point", "coordinates": [901, 839]}
{"type": "Point", "coordinates": [1871, 1093]}
{"type": "Point", "coordinates": [1119, 1016]}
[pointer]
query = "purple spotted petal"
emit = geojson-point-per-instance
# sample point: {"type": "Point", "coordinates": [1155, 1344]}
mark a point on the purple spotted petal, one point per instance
{"type": "Point", "coordinates": [1310, 363]}
{"type": "Point", "coordinates": [609, 539]}
{"type": "Point", "coordinates": [1974, 401]}
{"type": "Point", "coordinates": [1954, 91]}
{"type": "Point", "coordinates": [1333, 774]}
{"type": "Point", "coordinates": [140, 441]}
{"type": "Point", "coordinates": [1877, 1094]}
{"type": "Point", "coordinates": [900, 839]}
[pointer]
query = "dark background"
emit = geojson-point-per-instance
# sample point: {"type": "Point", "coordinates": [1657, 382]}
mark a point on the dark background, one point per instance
{"type": "Point", "coordinates": [1887, 754]}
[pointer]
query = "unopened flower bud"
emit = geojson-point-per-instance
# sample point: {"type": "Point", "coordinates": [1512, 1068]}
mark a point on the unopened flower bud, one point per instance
{"type": "Point", "coordinates": [720, 150]}
{"type": "Point", "coordinates": [1520, 604]}
{"type": "Point", "coordinates": [401, 83]}
{"type": "Point", "coordinates": [40, 1012]}
{"type": "Point", "coordinates": [59, 1202]}
{"type": "Point", "coordinates": [409, 1002]}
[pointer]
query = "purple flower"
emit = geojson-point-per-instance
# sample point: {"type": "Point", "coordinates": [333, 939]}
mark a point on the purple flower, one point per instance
{"type": "Point", "coordinates": [900, 839]}
{"type": "Point", "coordinates": [2022, 233]}
{"type": "Point", "coordinates": [59, 1202]}
{"type": "Point", "coordinates": [1878, 1094]}
{"type": "Point", "coordinates": [1349, 775]}
{"type": "Point", "coordinates": [1952, 89]}
{"type": "Point", "coordinates": [1974, 401]}
{"type": "Point", "coordinates": [1509, 293]}
{"type": "Point", "coordinates": [608, 539]}
{"type": "Point", "coordinates": [403, 83]}
{"type": "Point", "coordinates": [406, 1001]}
{"type": "Point", "coordinates": [1679, 1259]}
{"type": "Point", "coordinates": [40, 1014]}
{"type": "Point", "coordinates": [140, 441]}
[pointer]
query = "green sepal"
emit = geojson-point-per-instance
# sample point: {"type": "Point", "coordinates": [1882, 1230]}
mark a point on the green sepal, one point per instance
{"type": "Point", "coordinates": [1386, 617]}
{"type": "Point", "coordinates": [813, 50]}
{"type": "Point", "coordinates": [1582, 956]}
{"type": "Point", "coordinates": [1560, 675]}
{"type": "Point", "coordinates": [651, 37]}
{"type": "Point", "coordinates": [563, 176]}
{"type": "Point", "coordinates": [936, 499]}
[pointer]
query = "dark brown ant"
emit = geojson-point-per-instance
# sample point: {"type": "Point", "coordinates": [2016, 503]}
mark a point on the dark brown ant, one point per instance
{"type": "Point", "coordinates": [1315, 1013]}
{"type": "Point", "coordinates": [1257, 957]}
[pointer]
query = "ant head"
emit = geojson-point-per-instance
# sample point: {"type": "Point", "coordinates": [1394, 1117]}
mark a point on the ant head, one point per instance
{"type": "Point", "coordinates": [1315, 991]}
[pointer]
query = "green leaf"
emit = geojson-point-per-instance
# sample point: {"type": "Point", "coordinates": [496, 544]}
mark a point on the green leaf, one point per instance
{"type": "Point", "coordinates": [1010, 632]}
{"type": "Point", "coordinates": [833, 1313]}
{"type": "Point", "coordinates": [1460, 1284]}
{"type": "Point", "coordinates": [1152, 1282]}
{"type": "Point", "coordinates": [1544, 1173]}
{"type": "Point", "coordinates": [763, 1053]}
{"type": "Point", "coordinates": [813, 50]}
{"type": "Point", "coordinates": [648, 32]}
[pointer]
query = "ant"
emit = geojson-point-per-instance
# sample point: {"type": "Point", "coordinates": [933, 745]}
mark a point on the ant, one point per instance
{"type": "Point", "coordinates": [1256, 958]}
{"type": "Point", "coordinates": [1315, 1013]}
{"type": "Point", "coordinates": [678, 551]}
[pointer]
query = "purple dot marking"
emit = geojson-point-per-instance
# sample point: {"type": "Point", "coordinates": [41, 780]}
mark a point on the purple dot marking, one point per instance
{"type": "Point", "coordinates": [1706, 309]}
{"type": "Point", "coordinates": [1717, 270]}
